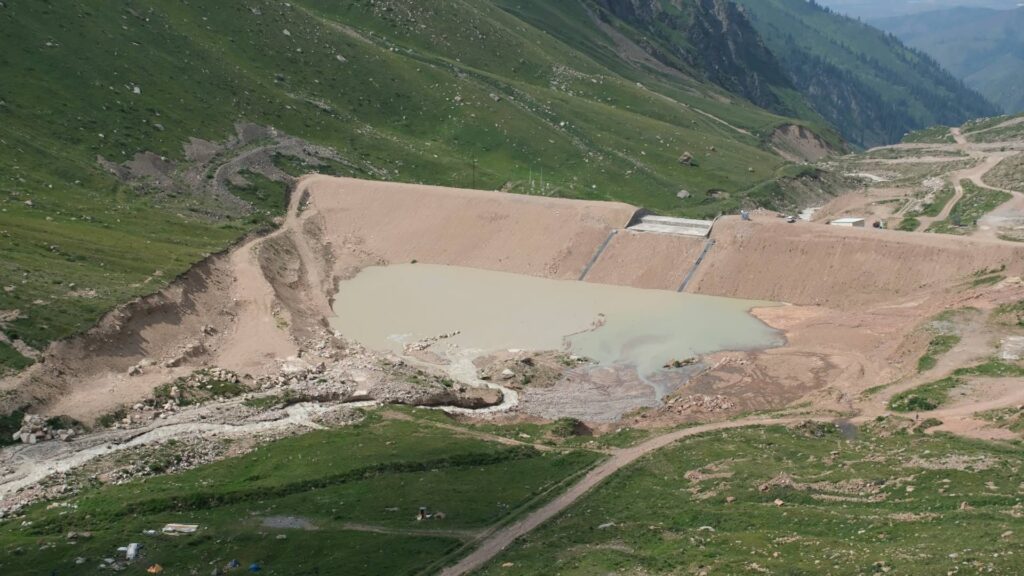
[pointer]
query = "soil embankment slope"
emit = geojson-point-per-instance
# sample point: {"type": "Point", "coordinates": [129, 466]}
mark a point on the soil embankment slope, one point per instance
{"type": "Point", "coordinates": [646, 260]}
{"type": "Point", "coordinates": [399, 223]}
{"type": "Point", "coordinates": [841, 268]}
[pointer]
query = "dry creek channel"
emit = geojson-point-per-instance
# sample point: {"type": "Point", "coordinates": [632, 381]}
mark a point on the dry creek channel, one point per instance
{"type": "Point", "coordinates": [619, 328]}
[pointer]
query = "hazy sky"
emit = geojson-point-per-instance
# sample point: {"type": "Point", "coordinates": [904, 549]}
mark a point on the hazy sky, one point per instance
{"type": "Point", "coordinates": [868, 9]}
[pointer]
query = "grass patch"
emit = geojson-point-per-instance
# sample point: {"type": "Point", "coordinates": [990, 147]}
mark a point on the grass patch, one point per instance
{"type": "Point", "coordinates": [934, 394]}
{"type": "Point", "coordinates": [909, 224]}
{"type": "Point", "coordinates": [988, 280]}
{"type": "Point", "coordinates": [9, 424]}
{"type": "Point", "coordinates": [267, 197]}
{"type": "Point", "coordinates": [113, 417]}
{"type": "Point", "coordinates": [199, 388]}
{"type": "Point", "coordinates": [1007, 174]}
{"type": "Point", "coordinates": [932, 135]}
{"type": "Point", "coordinates": [942, 197]}
{"type": "Point", "coordinates": [938, 346]}
{"type": "Point", "coordinates": [850, 506]}
{"type": "Point", "coordinates": [1010, 418]}
{"type": "Point", "coordinates": [12, 360]}
{"type": "Point", "coordinates": [925, 397]}
{"type": "Point", "coordinates": [1012, 313]}
{"type": "Point", "coordinates": [273, 401]}
{"type": "Point", "coordinates": [927, 424]}
{"type": "Point", "coordinates": [993, 368]}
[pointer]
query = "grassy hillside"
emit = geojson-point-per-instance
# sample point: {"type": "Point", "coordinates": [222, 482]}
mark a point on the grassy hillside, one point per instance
{"type": "Point", "coordinates": [329, 502]}
{"type": "Point", "coordinates": [778, 501]}
{"type": "Point", "coordinates": [983, 47]}
{"type": "Point", "coordinates": [866, 83]}
{"type": "Point", "coordinates": [456, 93]}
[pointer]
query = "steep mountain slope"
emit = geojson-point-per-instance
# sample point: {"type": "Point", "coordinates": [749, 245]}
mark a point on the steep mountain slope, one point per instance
{"type": "Point", "coordinates": [984, 48]}
{"type": "Point", "coordinates": [106, 193]}
{"type": "Point", "coordinates": [712, 39]}
{"type": "Point", "coordinates": [866, 83]}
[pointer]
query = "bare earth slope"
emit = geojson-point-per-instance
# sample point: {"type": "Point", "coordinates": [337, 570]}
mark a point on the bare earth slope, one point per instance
{"type": "Point", "coordinates": [844, 268]}
{"type": "Point", "coordinates": [645, 260]}
{"type": "Point", "coordinates": [538, 236]}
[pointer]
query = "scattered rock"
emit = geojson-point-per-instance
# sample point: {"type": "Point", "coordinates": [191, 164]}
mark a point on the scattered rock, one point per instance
{"type": "Point", "coordinates": [35, 429]}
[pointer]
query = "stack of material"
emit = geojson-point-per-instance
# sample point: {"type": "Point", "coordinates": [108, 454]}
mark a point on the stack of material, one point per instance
{"type": "Point", "coordinates": [35, 429]}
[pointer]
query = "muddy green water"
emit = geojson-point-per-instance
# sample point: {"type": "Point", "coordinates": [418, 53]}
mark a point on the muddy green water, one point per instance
{"type": "Point", "coordinates": [385, 308]}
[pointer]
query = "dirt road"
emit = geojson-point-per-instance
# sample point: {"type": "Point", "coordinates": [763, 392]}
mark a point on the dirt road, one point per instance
{"type": "Point", "coordinates": [497, 541]}
{"type": "Point", "coordinates": [987, 160]}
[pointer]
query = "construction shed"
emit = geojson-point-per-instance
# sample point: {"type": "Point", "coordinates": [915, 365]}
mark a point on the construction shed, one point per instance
{"type": "Point", "coordinates": [848, 222]}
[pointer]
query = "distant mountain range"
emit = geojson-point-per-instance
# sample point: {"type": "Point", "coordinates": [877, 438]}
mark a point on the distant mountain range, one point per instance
{"type": "Point", "coordinates": [866, 83]}
{"type": "Point", "coordinates": [984, 47]}
{"type": "Point", "coordinates": [874, 9]}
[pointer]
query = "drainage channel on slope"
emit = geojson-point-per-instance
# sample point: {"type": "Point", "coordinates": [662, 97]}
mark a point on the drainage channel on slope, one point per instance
{"type": "Point", "coordinates": [597, 255]}
{"type": "Point", "coordinates": [696, 264]}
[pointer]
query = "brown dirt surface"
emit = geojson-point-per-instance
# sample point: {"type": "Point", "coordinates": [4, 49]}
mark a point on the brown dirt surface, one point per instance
{"type": "Point", "coordinates": [841, 268]}
{"type": "Point", "coordinates": [798, 144]}
{"type": "Point", "coordinates": [399, 223]}
{"type": "Point", "coordinates": [646, 260]}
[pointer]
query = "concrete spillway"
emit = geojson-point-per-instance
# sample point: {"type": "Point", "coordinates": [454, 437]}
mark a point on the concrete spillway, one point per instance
{"type": "Point", "coordinates": [678, 226]}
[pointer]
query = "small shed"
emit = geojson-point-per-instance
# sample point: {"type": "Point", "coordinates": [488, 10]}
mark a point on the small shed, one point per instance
{"type": "Point", "coordinates": [848, 222]}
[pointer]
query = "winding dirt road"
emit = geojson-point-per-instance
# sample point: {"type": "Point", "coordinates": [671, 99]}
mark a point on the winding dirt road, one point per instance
{"type": "Point", "coordinates": [496, 541]}
{"type": "Point", "coordinates": [987, 160]}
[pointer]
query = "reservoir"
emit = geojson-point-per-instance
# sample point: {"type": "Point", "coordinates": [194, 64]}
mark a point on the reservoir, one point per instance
{"type": "Point", "coordinates": [385, 308]}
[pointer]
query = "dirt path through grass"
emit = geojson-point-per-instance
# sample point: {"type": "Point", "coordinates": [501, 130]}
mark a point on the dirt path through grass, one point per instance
{"type": "Point", "coordinates": [500, 539]}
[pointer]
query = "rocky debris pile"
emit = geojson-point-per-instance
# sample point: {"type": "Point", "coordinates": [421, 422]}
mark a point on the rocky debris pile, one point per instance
{"type": "Point", "coordinates": [361, 376]}
{"type": "Point", "coordinates": [200, 387]}
{"type": "Point", "coordinates": [36, 429]}
{"type": "Point", "coordinates": [517, 368]}
{"type": "Point", "coordinates": [428, 342]}
{"type": "Point", "coordinates": [339, 416]}
{"type": "Point", "coordinates": [185, 352]}
{"type": "Point", "coordinates": [702, 403]}
{"type": "Point", "coordinates": [292, 372]}
{"type": "Point", "coordinates": [206, 378]}
{"type": "Point", "coordinates": [166, 458]}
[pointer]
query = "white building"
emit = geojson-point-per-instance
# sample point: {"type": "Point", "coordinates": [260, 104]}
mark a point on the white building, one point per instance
{"type": "Point", "coordinates": [848, 222]}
